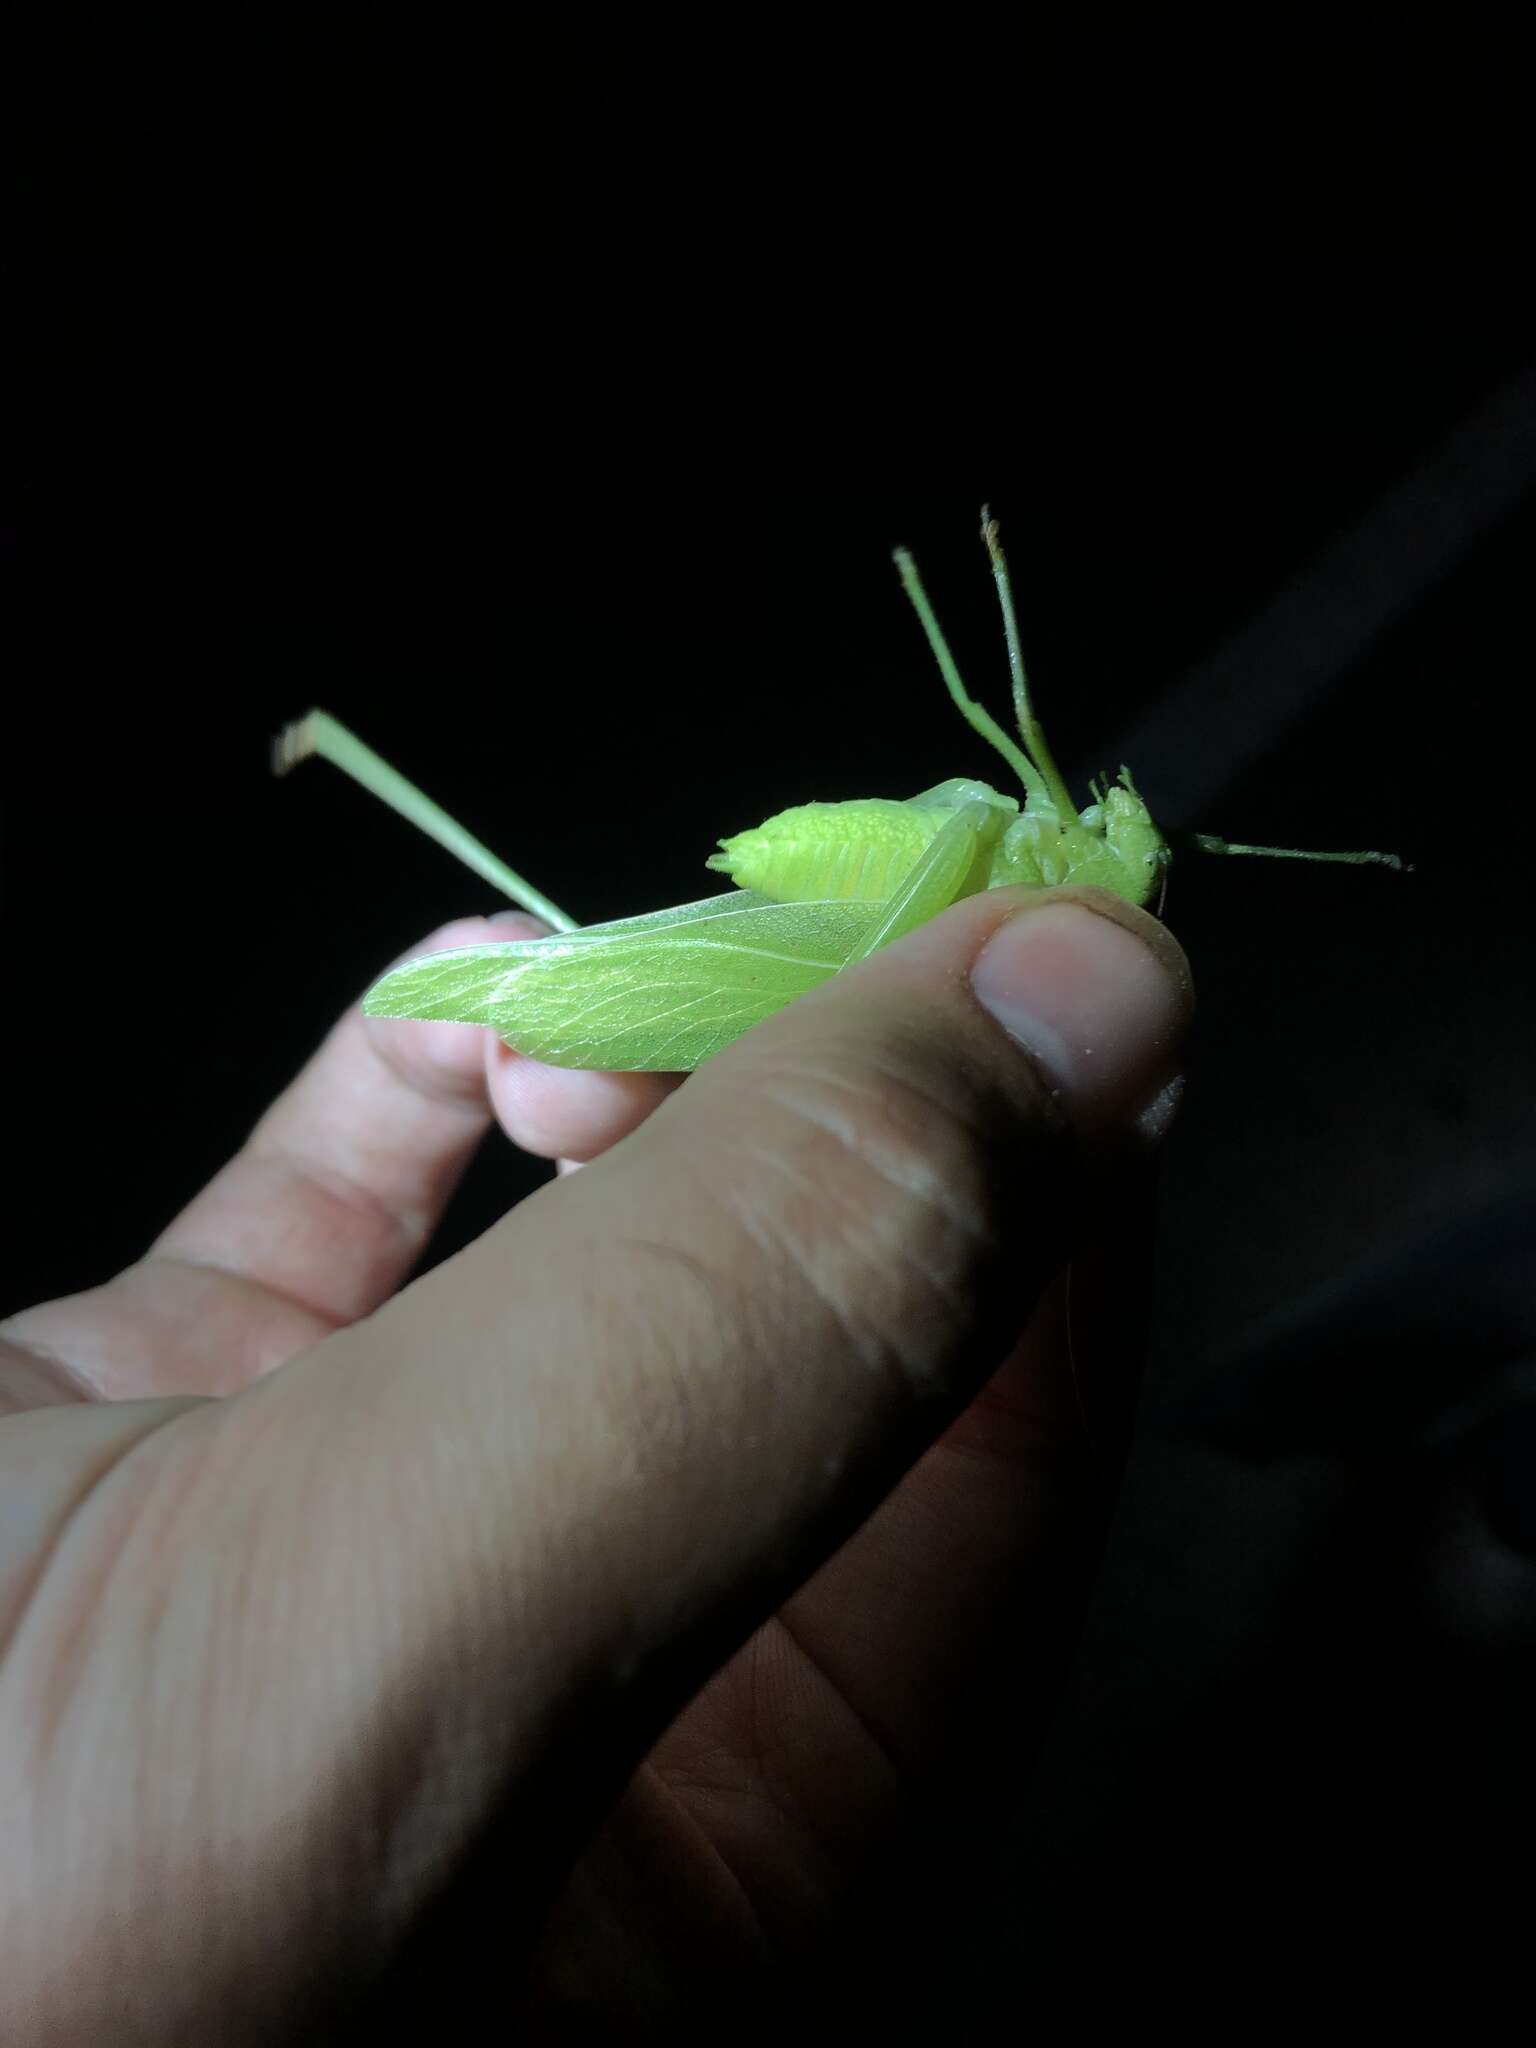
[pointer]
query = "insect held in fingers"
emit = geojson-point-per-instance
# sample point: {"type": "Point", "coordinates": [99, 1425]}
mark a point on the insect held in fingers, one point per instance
{"type": "Point", "coordinates": [814, 889]}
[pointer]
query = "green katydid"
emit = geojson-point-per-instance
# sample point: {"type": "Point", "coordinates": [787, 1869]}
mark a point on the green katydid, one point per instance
{"type": "Point", "coordinates": [817, 888]}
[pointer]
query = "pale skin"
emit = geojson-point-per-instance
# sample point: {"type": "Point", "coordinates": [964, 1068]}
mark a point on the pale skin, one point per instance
{"type": "Point", "coordinates": [622, 1585]}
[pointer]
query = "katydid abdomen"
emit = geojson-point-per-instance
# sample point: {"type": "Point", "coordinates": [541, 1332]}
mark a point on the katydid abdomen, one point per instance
{"type": "Point", "coordinates": [860, 851]}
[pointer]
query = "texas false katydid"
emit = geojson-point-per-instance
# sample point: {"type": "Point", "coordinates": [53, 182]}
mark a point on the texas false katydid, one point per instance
{"type": "Point", "coordinates": [817, 888]}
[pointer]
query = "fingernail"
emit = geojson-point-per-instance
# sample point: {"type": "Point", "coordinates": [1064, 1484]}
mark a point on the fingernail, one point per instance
{"type": "Point", "coordinates": [527, 925]}
{"type": "Point", "coordinates": [1101, 1002]}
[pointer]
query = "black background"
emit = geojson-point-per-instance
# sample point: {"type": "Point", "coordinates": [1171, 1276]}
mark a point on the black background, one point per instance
{"type": "Point", "coordinates": [546, 405]}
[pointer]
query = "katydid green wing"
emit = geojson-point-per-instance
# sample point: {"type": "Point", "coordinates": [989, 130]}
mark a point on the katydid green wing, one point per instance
{"type": "Point", "coordinates": [666, 991]}
{"type": "Point", "coordinates": [658, 993]}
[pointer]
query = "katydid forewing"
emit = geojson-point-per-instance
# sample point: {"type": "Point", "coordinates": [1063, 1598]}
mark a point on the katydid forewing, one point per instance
{"type": "Point", "coordinates": [816, 888]}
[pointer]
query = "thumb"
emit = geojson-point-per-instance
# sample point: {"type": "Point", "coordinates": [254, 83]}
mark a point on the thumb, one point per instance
{"type": "Point", "coordinates": [690, 1370]}
{"type": "Point", "coordinates": [589, 1454]}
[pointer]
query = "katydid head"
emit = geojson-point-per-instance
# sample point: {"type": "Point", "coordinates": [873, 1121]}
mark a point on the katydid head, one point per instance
{"type": "Point", "coordinates": [1113, 843]}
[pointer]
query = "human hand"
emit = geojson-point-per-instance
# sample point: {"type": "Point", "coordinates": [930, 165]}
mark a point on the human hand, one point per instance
{"type": "Point", "coordinates": [625, 1584]}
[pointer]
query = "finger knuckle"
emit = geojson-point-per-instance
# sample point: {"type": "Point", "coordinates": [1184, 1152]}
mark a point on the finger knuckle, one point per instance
{"type": "Point", "coordinates": [893, 1200]}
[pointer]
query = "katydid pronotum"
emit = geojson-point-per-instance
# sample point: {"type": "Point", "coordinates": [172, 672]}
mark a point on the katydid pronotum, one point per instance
{"type": "Point", "coordinates": [816, 888]}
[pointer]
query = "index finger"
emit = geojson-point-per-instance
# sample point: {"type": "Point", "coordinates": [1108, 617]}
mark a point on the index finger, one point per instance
{"type": "Point", "coordinates": [334, 1195]}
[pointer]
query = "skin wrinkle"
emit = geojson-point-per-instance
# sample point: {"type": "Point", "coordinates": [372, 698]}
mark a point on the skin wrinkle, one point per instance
{"type": "Point", "coordinates": [998, 1528]}
{"type": "Point", "coordinates": [969, 1229]}
{"type": "Point", "coordinates": [977, 1130]}
{"type": "Point", "coordinates": [756, 1826]}
{"type": "Point", "coordinates": [659, 1424]}
{"type": "Point", "coordinates": [344, 1189]}
{"type": "Point", "coordinates": [835, 1694]}
{"type": "Point", "coordinates": [977, 1448]}
{"type": "Point", "coordinates": [611, 1877]}
{"type": "Point", "coordinates": [672, 1255]}
{"type": "Point", "coordinates": [14, 1613]}
{"type": "Point", "coordinates": [706, 1804]}
{"type": "Point", "coordinates": [736, 1801]}
{"type": "Point", "coordinates": [338, 1191]}
{"type": "Point", "coordinates": [185, 1262]}
{"type": "Point", "coordinates": [61, 1649]}
{"type": "Point", "coordinates": [465, 1092]}
{"type": "Point", "coordinates": [875, 1128]}
{"type": "Point", "coordinates": [1046, 1107]}
{"type": "Point", "coordinates": [872, 1351]}
{"type": "Point", "coordinates": [648, 1773]}
{"type": "Point", "coordinates": [729, 1802]}
{"type": "Point", "coordinates": [652, 1411]}
{"type": "Point", "coordinates": [339, 1203]}
{"type": "Point", "coordinates": [56, 1369]}
{"type": "Point", "coordinates": [765, 1342]}
{"type": "Point", "coordinates": [234, 1291]}
{"type": "Point", "coordinates": [895, 1554]}
{"type": "Point", "coordinates": [938, 1137]}
{"type": "Point", "coordinates": [292, 1849]}
{"type": "Point", "coordinates": [804, 1184]}
{"type": "Point", "coordinates": [144, 1530]}
{"type": "Point", "coordinates": [388, 1807]}
{"type": "Point", "coordinates": [910, 1171]}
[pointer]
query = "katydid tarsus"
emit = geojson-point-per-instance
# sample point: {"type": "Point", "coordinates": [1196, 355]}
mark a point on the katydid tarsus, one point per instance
{"type": "Point", "coordinates": [816, 888]}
